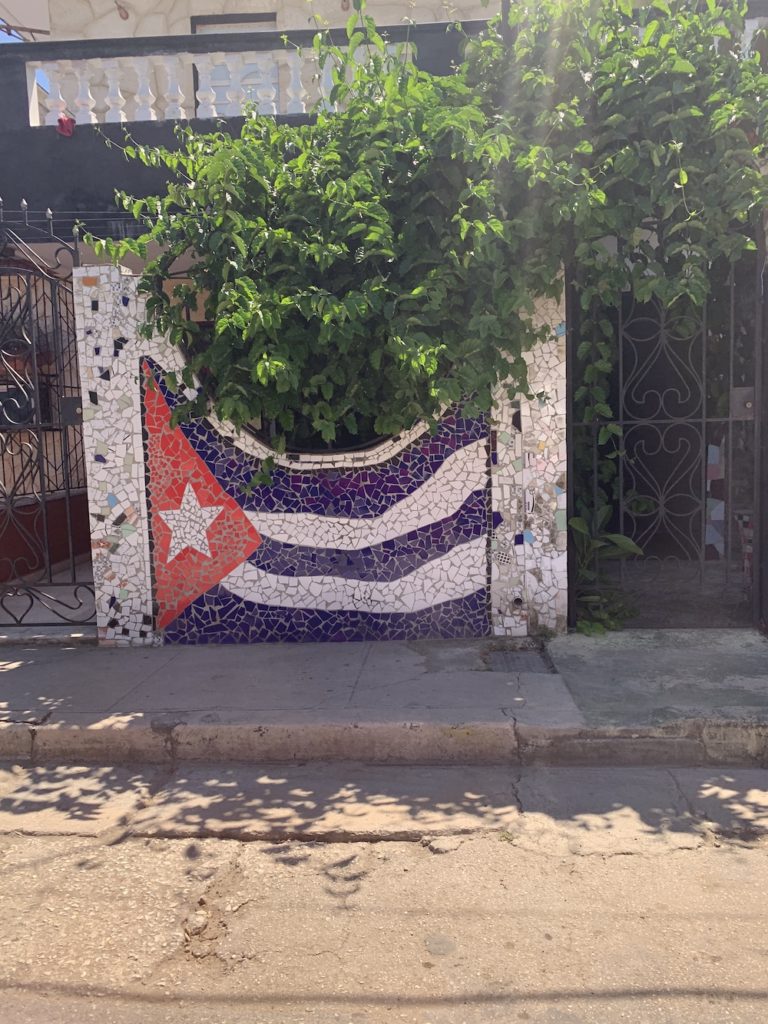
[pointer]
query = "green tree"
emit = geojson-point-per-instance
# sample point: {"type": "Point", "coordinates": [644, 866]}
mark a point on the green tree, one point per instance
{"type": "Point", "coordinates": [359, 272]}
{"type": "Point", "coordinates": [643, 123]}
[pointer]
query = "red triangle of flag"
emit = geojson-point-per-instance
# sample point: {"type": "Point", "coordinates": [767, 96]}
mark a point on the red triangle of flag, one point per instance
{"type": "Point", "coordinates": [199, 532]}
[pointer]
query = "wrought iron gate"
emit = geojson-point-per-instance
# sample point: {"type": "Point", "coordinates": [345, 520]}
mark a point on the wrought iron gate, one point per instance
{"type": "Point", "coordinates": [760, 576]}
{"type": "Point", "coordinates": [684, 478]}
{"type": "Point", "coordinates": [45, 568]}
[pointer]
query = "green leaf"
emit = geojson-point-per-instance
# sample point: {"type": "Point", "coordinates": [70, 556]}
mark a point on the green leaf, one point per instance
{"type": "Point", "coordinates": [624, 544]}
{"type": "Point", "coordinates": [680, 66]}
{"type": "Point", "coordinates": [650, 31]}
{"type": "Point", "coordinates": [577, 524]}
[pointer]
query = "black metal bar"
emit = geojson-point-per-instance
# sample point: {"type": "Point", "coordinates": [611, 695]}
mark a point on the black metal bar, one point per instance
{"type": "Point", "coordinates": [58, 340]}
{"type": "Point", "coordinates": [37, 429]}
{"type": "Point", "coordinates": [704, 446]}
{"type": "Point", "coordinates": [593, 433]}
{"type": "Point", "coordinates": [673, 422]}
{"type": "Point", "coordinates": [198, 20]}
{"type": "Point", "coordinates": [760, 467]}
{"type": "Point", "coordinates": [729, 457]}
{"type": "Point", "coordinates": [622, 453]}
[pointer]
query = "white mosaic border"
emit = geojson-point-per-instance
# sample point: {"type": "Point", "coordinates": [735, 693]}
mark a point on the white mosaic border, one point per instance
{"type": "Point", "coordinates": [528, 580]}
{"type": "Point", "coordinates": [114, 454]}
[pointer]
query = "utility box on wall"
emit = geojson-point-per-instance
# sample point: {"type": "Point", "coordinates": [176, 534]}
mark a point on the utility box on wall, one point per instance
{"type": "Point", "coordinates": [457, 532]}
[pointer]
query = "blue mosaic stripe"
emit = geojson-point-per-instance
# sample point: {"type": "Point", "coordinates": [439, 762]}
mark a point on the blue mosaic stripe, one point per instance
{"type": "Point", "coordinates": [345, 492]}
{"type": "Point", "coordinates": [219, 617]}
{"type": "Point", "coordinates": [382, 562]}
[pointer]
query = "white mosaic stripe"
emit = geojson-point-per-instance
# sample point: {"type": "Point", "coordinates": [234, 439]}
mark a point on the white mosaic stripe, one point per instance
{"type": "Point", "coordinates": [170, 359]}
{"type": "Point", "coordinates": [441, 496]}
{"type": "Point", "coordinates": [456, 574]}
{"type": "Point", "coordinates": [381, 452]}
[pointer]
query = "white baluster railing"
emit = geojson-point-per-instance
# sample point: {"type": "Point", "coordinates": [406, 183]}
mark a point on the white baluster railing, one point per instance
{"type": "Point", "coordinates": [326, 84]}
{"type": "Point", "coordinates": [235, 92]}
{"type": "Point", "coordinates": [84, 98]}
{"type": "Point", "coordinates": [55, 103]}
{"type": "Point", "coordinates": [173, 97]}
{"type": "Point", "coordinates": [266, 86]}
{"type": "Point", "coordinates": [295, 92]}
{"type": "Point", "coordinates": [115, 99]}
{"type": "Point", "coordinates": [206, 94]}
{"type": "Point", "coordinates": [159, 87]}
{"type": "Point", "coordinates": [145, 98]}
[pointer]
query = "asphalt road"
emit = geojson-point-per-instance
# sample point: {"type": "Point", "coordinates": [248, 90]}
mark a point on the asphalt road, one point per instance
{"type": "Point", "coordinates": [582, 918]}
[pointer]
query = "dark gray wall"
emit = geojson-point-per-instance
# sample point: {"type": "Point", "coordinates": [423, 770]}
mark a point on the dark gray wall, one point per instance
{"type": "Point", "coordinates": [81, 172]}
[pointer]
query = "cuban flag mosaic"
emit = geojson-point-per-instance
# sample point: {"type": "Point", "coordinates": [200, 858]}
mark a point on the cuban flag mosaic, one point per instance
{"type": "Point", "coordinates": [393, 550]}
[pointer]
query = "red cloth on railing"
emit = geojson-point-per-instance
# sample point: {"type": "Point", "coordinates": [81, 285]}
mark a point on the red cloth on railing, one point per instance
{"type": "Point", "coordinates": [66, 126]}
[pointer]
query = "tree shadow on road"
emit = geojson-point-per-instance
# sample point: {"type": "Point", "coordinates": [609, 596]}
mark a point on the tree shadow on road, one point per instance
{"type": "Point", "coordinates": [344, 801]}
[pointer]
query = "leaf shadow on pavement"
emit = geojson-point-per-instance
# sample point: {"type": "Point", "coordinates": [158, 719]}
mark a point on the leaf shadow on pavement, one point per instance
{"type": "Point", "coordinates": [337, 802]}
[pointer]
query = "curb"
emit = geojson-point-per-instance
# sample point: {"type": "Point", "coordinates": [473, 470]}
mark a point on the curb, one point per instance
{"type": "Point", "coordinates": [692, 742]}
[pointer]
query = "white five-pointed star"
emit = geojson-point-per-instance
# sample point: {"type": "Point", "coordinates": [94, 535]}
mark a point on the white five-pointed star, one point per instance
{"type": "Point", "coordinates": [189, 524]}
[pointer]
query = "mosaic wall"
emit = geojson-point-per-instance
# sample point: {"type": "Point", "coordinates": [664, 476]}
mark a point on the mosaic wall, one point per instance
{"type": "Point", "coordinates": [529, 590]}
{"type": "Point", "coordinates": [456, 533]}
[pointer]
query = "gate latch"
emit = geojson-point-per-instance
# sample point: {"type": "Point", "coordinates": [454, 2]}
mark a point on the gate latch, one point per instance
{"type": "Point", "coordinates": [71, 411]}
{"type": "Point", "coordinates": [742, 403]}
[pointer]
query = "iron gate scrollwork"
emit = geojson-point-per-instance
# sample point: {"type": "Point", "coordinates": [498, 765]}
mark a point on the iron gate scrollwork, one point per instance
{"type": "Point", "coordinates": [45, 568]}
{"type": "Point", "coordinates": [684, 480]}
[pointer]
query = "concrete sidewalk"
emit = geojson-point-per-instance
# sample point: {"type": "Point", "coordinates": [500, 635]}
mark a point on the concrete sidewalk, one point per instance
{"type": "Point", "coordinates": [639, 697]}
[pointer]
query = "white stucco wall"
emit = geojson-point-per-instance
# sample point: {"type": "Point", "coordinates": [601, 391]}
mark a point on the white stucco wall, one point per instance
{"type": "Point", "coordinates": [100, 19]}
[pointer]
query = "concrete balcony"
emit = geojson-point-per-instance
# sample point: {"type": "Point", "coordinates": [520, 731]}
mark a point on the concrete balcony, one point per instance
{"type": "Point", "coordinates": [112, 81]}
{"type": "Point", "coordinates": [175, 86]}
